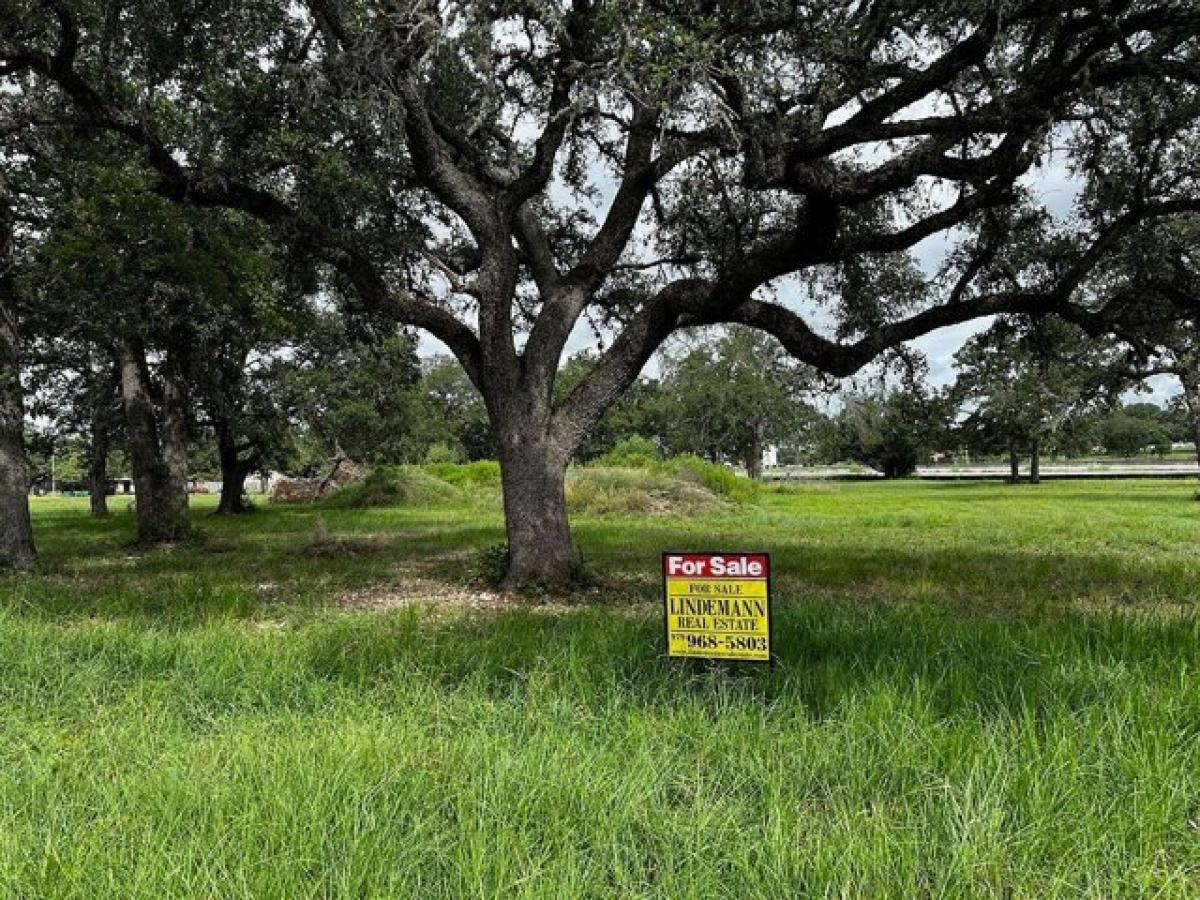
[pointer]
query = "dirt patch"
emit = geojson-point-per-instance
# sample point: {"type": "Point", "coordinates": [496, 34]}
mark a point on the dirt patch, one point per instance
{"type": "Point", "coordinates": [443, 597]}
{"type": "Point", "coordinates": [327, 545]}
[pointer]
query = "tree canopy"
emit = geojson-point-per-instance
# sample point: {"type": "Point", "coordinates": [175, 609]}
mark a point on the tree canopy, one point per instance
{"type": "Point", "coordinates": [1024, 384]}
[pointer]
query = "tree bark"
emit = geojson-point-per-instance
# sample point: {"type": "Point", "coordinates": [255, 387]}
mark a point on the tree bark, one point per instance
{"type": "Point", "coordinates": [175, 457]}
{"type": "Point", "coordinates": [533, 476]}
{"type": "Point", "coordinates": [1014, 463]}
{"type": "Point", "coordinates": [98, 468]}
{"type": "Point", "coordinates": [1035, 462]}
{"type": "Point", "coordinates": [17, 549]}
{"type": "Point", "coordinates": [157, 452]}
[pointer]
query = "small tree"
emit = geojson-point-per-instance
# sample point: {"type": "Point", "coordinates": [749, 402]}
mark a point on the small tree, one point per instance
{"type": "Point", "coordinates": [75, 386]}
{"type": "Point", "coordinates": [1023, 383]}
{"type": "Point", "coordinates": [172, 297]}
{"type": "Point", "coordinates": [644, 410]}
{"type": "Point", "coordinates": [453, 410]}
{"type": "Point", "coordinates": [731, 394]}
{"type": "Point", "coordinates": [351, 387]}
{"type": "Point", "coordinates": [891, 431]}
{"type": "Point", "coordinates": [1127, 436]}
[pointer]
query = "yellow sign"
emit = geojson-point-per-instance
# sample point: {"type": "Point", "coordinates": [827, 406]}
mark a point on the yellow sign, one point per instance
{"type": "Point", "coordinates": [718, 605]}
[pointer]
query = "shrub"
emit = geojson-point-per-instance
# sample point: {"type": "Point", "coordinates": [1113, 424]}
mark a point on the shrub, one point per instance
{"type": "Point", "coordinates": [634, 452]}
{"type": "Point", "coordinates": [443, 453]}
{"type": "Point", "coordinates": [718, 479]}
{"type": "Point", "coordinates": [484, 473]}
{"type": "Point", "coordinates": [491, 564]}
{"type": "Point", "coordinates": [638, 453]}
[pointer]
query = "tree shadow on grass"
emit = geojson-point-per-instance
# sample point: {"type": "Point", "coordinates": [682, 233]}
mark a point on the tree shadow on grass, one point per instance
{"type": "Point", "coordinates": [89, 572]}
{"type": "Point", "coordinates": [915, 626]}
{"type": "Point", "coordinates": [245, 571]}
{"type": "Point", "coordinates": [239, 572]}
{"type": "Point", "coordinates": [831, 655]}
{"type": "Point", "coordinates": [1035, 578]}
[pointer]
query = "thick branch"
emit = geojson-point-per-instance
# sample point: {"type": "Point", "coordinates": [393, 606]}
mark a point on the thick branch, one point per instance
{"type": "Point", "coordinates": [562, 308]}
{"type": "Point", "coordinates": [573, 53]}
{"type": "Point", "coordinates": [617, 369]}
{"type": "Point", "coordinates": [177, 184]}
{"type": "Point", "coordinates": [409, 309]}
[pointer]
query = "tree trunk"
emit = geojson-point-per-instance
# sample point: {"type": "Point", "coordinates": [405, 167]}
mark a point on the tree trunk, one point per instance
{"type": "Point", "coordinates": [1035, 463]}
{"type": "Point", "coordinates": [1191, 399]}
{"type": "Point", "coordinates": [754, 459]}
{"type": "Point", "coordinates": [1014, 463]}
{"type": "Point", "coordinates": [533, 476]}
{"type": "Point", "coordinates": [175, 455]}
{"type": "Point", "coordinates": [157, 454]}
{"type": "Point", "coordinates": [98, 469]}
{"type": "Point", "coordinates": [16, 529]}
{"type": "Point", "coordinates": [233, 475]}
{"type": "Point", "coordinates": [233, 491]}
{"type": "Point", "coordinates": [1196, 430]}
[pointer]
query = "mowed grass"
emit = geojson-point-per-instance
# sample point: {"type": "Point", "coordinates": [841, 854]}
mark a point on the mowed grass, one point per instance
{"type": "Point", "coordinates": [982, 690]}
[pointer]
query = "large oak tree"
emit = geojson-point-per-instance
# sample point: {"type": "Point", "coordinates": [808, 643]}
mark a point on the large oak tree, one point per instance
{"type": "Point", "coordinates": [496, 173]}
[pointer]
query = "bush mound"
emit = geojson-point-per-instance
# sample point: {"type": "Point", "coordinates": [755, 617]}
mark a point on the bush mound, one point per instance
{"type": "Point", "coordinates": [616, 491]}
{"type": "Point", "coordinates": [721, 480]}
{"type": "Point", "coordinates": [640, 453]}
{"type": "Point", "coordinates": [473, 476]}
{"type": "Point", "coordinates": [632, 453]}
{"type": "Point", "coordinates": [395, 486]}
{"type": "Point", "coordinates": [632, 480]}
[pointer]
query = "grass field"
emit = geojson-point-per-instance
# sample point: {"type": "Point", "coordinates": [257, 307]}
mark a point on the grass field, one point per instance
{"type": "Point", "coordinates": [983, 691]}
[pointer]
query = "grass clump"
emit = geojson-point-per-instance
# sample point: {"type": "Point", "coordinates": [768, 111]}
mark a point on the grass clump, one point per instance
{"type": "Point", "coordinates": [720, 480]}
{"type": "Point", "coordinates": [395, 486]}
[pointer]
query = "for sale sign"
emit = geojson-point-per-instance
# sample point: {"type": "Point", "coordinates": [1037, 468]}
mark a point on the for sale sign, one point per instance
{"type": "Point", "coordinates": [718, 605]}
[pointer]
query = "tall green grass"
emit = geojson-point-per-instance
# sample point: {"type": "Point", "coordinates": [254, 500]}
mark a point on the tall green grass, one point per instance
{"type": "Point", "coordinates": [982, 691]}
